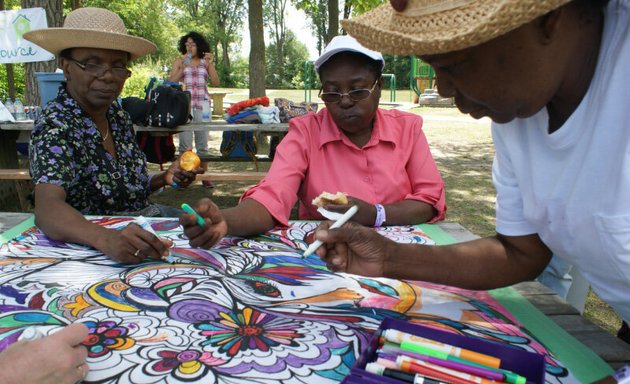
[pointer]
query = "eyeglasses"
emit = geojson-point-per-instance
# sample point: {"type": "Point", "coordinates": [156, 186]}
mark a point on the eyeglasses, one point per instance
{"type": "Point", "coordinates": [190, 44]}
{"type": "Point", "coordinates": [354, 95]}
{"type": "Point", "coordinates": [99, 70]}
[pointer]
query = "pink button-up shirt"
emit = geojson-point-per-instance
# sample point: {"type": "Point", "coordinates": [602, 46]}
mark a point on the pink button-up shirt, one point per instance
{"type": "Point", "coordinates": [315, 156]}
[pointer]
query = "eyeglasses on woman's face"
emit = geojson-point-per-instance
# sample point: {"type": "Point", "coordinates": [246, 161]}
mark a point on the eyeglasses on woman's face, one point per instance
{"type": "Point", "coordinates": [99, 70]}
{"type": "Point", "coordinates": [354, 95]}
{"type": "Point", "coordinates": [190, 44]}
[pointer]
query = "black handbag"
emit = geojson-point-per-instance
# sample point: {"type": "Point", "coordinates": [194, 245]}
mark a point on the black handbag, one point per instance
{"type": "Point", "coordinates": [169, 106]}
{"type": "Point", "coordinates": [138, 109]}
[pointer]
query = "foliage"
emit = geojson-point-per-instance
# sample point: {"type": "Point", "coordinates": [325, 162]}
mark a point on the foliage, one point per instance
{"type": "Point", "coordinates": [400, 66]}
{"type": "Point", "coordinates": [292, 64]}
{"type": "Point", "coordinates": [240, 72]}
{"type": "Point", "coordinates": [317, 12]}
{"type": "Point", "coordinates": [141, 73]}
{"type": "Point", "coordinates": [357, 7]}
{"type": "Point", "coordinates": [18, 73]}
{"type": "Point", "coordinates": [147, 19]}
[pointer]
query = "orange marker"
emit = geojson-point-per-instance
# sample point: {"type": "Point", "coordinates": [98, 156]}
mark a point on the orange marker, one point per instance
{"type": "Point", "coordinates": [409, 364]}
{"type": "Point", "coordinates": [398, 337]}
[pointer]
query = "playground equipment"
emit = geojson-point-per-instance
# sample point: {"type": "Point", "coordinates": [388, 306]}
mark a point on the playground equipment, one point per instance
{"type": "Point", "coordinates": [422, 76]}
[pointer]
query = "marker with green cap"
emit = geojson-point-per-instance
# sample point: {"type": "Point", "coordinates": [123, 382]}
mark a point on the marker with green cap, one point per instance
{"type": "Point", "coordinates": [188, 209]}
{"type": "Point", "coordinates": [510, 377]}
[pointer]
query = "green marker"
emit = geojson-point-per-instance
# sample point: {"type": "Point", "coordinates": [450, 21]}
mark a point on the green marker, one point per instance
{"type": "Point", "coordinates": [188, 209]}
{"type": "Point", "coordinates": [510, 377]}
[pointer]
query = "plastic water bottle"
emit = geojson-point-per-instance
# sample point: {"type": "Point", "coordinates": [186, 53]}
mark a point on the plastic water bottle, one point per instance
{"type": "Point", "coordinates": [9, 105]}
{"type": "Point", "coordinates": [205, 108]}
{"type": "Point", "coordinates": [18, 107]}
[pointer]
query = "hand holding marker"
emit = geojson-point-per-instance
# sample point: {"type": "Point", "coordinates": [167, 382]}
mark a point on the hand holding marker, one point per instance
{"type": "Point", "coordinates": [188, 209]}
{"type": "Point", "coordinates": [342, 220]}
{"type": "Point", "coordinates": [144, 224]}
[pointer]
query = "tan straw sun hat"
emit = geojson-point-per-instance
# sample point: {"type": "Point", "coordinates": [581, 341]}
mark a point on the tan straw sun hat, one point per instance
{"type": "Point", "coordinates": [438, 26]}
{"type": "Point", "coordinates": [91, 28]}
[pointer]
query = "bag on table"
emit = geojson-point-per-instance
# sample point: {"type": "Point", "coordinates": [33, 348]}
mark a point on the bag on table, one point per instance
{"type": "Point", "coordinates": [289, 109]}
{"type": "Point", "coordinates": [169, 106]}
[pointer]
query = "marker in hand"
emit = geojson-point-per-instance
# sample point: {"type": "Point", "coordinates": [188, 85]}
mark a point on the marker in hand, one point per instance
{"type": "Point", "coordinates": [342, 220]}
{"type": "Point", "coordinates": [188, 209]}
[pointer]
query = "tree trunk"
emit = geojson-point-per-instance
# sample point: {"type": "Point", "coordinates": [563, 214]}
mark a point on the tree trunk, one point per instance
{"type": "Point", "coordinates": [333, 20]}
{"type": "Point", "coordinates": [54, 17]}
{"type": "Point", "coordinates": [257, 51]}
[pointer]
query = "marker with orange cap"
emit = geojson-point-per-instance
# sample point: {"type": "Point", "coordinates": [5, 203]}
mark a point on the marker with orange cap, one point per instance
{"type": "Point", "coordinates": [408, 364]}
{"type": "Point", "coordinates": [396, 336]}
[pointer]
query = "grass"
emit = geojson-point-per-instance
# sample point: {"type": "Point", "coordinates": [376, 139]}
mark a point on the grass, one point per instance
{"type": "Point", "coordinates": [462, 148]}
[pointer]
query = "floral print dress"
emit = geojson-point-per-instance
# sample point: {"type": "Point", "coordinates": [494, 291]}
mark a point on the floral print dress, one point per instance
{"type": "Point", "coordinates": [66, 150]}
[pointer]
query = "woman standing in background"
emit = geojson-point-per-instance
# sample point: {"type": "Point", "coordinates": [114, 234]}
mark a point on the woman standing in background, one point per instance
{"type": "Point", "coordinates": [193, 69]}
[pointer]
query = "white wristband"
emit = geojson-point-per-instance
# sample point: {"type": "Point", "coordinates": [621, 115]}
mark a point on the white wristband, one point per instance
{"type": "Point", "coordinates": [622, 375]}
{"type": "Point", "coordinates": [380, 215]}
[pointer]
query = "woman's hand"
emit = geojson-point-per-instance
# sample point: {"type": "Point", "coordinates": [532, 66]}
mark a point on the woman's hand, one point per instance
{"type": "Point", "coordinates": [215, 227]}
{"type": "Point", "coordinates": [55, 359]}
{"type": "Point", "coordinates": [133, 244]}
{"type": "Point", "coordinates": [208, 57]}
{"type": "Point", "coordinates": [366, 215]}
{"type": "Point", "coordinates": [353, 248]}
{"type": "Point", "coordinates": [177, 176]}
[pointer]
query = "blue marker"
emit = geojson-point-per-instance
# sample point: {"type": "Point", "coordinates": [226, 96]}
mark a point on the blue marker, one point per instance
{"type": "Point", "coordinates": [188, 209]}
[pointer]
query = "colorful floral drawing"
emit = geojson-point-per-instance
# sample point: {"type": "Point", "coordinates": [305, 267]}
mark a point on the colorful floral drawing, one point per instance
{"type": "Point", "coordinates": [246, 311]}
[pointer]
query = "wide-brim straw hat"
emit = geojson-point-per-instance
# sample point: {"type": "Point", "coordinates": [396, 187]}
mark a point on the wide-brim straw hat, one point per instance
{"type": "Point", "coordinates": [421, 27]}
{"type": "Point", "coordinates": [91, 28]}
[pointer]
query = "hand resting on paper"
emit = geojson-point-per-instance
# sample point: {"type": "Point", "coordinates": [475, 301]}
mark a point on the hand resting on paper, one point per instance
{"type": "Point", "coordinates": [55, 359]}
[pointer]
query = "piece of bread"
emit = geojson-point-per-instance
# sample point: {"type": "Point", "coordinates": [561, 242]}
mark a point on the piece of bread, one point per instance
{"type": "Point", "coordinates": [326, 198]}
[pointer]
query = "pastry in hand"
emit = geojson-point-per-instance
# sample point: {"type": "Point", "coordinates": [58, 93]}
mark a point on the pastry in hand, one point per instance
{"type": "Point", "coordinates": [326, 198]}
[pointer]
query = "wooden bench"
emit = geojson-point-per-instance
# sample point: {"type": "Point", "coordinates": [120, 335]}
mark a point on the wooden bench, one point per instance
{"type": "Point", "coordinates": [14, 174]}
{"type": "Point", "coordinates": [22, 174]}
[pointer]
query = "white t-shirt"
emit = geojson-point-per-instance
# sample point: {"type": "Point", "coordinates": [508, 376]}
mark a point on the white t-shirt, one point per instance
{"type": "Point", "coordinates": [572, 187]}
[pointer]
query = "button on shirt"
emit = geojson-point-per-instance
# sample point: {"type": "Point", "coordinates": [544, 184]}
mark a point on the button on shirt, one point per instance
{"type": "Point", "coordinates": [315, 156]}
{"type": "Point", "coordinates": [67, 150]}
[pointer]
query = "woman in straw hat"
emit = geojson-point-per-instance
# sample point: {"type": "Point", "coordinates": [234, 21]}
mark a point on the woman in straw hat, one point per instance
{"type": "Point", "coordinates": [552, 75]}
{"type": "Point", "coordinates": [84, 159]}
{"type": "Point", "coordinates": [379, 157]}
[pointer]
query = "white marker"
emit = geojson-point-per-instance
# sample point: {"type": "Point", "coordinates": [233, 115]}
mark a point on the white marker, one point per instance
{"type": "Point", "coordinates": [342, 220]}
{"type": "Point", "coordinates": [30, 334]}
{"type": "Point", "coordinates": [144, 224]}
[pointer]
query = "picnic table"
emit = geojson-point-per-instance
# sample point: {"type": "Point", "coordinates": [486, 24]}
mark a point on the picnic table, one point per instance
{"type": "Point", "coordinates": [582, 361]}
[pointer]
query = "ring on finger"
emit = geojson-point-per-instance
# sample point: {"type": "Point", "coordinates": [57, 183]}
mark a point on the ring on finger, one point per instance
{"type": "Point", "coordinates": [137, 253]}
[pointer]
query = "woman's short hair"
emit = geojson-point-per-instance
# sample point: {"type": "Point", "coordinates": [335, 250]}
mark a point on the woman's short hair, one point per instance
{"type": "Point", "coordinates": [202, 43]}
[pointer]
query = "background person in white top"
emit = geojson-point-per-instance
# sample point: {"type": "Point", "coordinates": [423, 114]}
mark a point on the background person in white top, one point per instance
{"type": "Point", "coordinates": [553, 76]}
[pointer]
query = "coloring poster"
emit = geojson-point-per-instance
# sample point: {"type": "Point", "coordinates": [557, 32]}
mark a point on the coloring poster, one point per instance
{"type": "Point", "coordinates": [246, 311]}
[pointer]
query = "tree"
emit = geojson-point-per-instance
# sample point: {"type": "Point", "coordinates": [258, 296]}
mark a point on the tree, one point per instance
{"type": "Point", "coordinates": [333, 20]}
{"type": "Point", "coordinates": [54, 17]}
{"type": "Point", "coordinates": [228, 15]}
{"type": "Point", "coordinates": [317, 12]}
{"type": "Point", "coordinates": [275, 21]}
{"type": "Point", "coordinates": [257, 51]}
{"type": "Point", "coordinates": [287, 71]}
{"type": "Point", "coordinates": [144, 18]}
